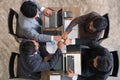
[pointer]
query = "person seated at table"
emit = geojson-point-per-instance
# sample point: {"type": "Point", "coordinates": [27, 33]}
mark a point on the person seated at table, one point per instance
{"type": "Point", "coordinates": [90, 27]}
{"type": "Point", "coordinates": [31, 59]}
{"type": "Point", "coordinates": [97, 64]}
{"type": "Point", "coordinates": [30, 22]}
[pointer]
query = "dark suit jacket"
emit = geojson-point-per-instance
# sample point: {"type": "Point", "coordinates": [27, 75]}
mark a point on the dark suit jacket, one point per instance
{"type": "Point", "coordinates": [32, 65]}
{"type": "Point", "coordinates": [89, 72]}
{"type": "Point", "coordinates": [83, 22]}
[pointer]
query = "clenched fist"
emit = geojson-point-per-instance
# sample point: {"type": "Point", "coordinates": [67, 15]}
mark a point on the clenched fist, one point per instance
{"type": "Point", "coordinates": [47, 12]}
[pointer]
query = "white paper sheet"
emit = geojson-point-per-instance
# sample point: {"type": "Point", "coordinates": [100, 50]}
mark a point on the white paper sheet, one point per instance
{"type": "Point", "coordinates": [52, 47]}
{"type": "Point", "coordinates": [55, 77]}
{"type": "Point", "coordinates": [74, 33]}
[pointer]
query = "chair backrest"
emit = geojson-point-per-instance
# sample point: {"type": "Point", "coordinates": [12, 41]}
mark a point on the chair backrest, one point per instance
{"type": "Point", "coordinates": [106, 31]}
{"type": "Point", "coordinates": [115, 69]}
{"type": "Point", "coordinates": [11, 26]}
{"type": "Point", "coordinates": [12, 73]}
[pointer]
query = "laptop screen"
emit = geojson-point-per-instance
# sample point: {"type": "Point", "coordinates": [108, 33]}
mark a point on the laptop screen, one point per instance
{"type": "Point", "coordinates": [55, 20]}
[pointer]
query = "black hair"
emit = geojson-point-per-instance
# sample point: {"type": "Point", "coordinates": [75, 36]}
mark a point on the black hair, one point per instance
{"type": "Point", "coordinates": [104, 64]}
{"type": "Point", "coordinates": [104, 60]}
{"type": "Point", "coordinates": [100, 23]}
{"type": "Point", "coordinates": [28, 48]}
{"type": "Point", "coordinates": [29, 9]}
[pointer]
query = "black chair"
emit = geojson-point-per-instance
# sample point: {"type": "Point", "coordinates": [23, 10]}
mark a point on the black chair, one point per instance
{"type": "Point", "coordinates": [13, 74]}
{"type": "Point", "coordinates": [106, 31]}
{"type": "Point", "coordinates": [13, 23]}
{"type": "Point", "coordinates": [116, 64]}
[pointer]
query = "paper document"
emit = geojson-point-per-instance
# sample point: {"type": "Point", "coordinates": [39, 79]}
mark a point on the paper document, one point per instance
{"type": "Point", "coordinates": [74, 33]}
{"type": "Point", "coordinates": [52, 47]}
{"type": "Point", "coordinates": [55, 77]}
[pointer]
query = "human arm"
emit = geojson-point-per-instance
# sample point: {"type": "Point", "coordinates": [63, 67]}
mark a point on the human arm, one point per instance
{"type": "Point", "coordinates": [71, 74]}
{"type": "Point", "coordinates": [94, 77]}
{"type": "Point", "coordinates": [31, 33]}
{"type": "Point", "coordinates": [72, 24]}
{"type": "Point", "coordinates": [81, 21]}
{"type": "Point", "coordinates": [79, 77]}
{"type": "Point", "coordinates": [78, 41]}
{"type": "Point", "coordinates": [35, 63]}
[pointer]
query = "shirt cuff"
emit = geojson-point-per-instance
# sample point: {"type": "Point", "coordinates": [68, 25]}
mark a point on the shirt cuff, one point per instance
{"type": "Point", "coordinates": [75, 77]}
{"type": "Point", "coordinates": [52, 38]}
{"type": "Point", "coordinates": [73, 41]}
{"type": "Point", "coordinates": [42, 8]}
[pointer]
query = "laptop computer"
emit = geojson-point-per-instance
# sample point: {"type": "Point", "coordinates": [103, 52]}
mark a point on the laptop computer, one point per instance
{"type": "Point", "coordinates": [55, 20]}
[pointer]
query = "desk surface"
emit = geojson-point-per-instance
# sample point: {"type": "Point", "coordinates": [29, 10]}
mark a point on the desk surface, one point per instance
{"type": "Point", "coordinates": [46, 74]}
{"type": "Point", "coordinates": [75, 13]}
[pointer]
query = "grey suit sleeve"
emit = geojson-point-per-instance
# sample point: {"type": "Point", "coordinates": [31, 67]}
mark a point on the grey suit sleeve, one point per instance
{"type": "Point", "coordinates": [33, 34]}
{"type": "Point", "coordinates": [39, 65]}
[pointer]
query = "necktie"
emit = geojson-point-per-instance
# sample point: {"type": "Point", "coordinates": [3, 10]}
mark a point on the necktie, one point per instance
{"type": "Point", "coordinates": [39, 20]}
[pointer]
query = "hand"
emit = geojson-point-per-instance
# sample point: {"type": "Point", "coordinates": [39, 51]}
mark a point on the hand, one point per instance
{"type": "Point", "coordinates": [64, 35]}
{"type": "Point", "coordinates": [60, 44]}
{"type": "Point", "coordinates": [57, 38]}
{"type": "Point", "coordinates": [47, 12]}
{"type": "Point", "coordinates": [67, 41]}
{"type": "Point", "coordinates": [70, 73]}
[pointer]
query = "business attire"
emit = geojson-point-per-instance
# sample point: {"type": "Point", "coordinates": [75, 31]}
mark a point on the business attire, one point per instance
{"type": "Point", "coordinates": [88, 71]}
{"type": "Point", "coordinates": [83, 23]}
{"type": "Point", "coordinates": [32, 65]}
{"type": "Point", "coordinates": [30, 27]}
{"type": "Point", "coordinates": [86, 37]}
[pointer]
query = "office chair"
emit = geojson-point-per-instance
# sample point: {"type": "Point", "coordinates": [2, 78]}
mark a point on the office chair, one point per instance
{"type": "Point", "coordinates": [15, 70]}
{"type": "Point", "coordinates": [13, 25]}
{"type": "Point", "coordinates": [115, 69]}
{"type": "Point", "coordinates": [13, 74]}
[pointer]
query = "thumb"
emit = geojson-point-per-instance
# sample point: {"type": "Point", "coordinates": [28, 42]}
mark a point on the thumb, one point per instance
{"type": "Point", "coordinates": [70, 71]}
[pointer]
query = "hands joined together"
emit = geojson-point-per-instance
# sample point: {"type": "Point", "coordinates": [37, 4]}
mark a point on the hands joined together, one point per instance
{"type": "Point", "coordinates": [63, 38]}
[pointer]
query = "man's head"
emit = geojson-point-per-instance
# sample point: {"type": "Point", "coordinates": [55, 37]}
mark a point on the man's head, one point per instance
{"type": "Point", "coordinates": [98, 24]}
{"type": "Point", "coordinates": [29, 47]}
{"type": "Point", "coordinates": [29, 9]}
{"type": "Point", "coordinates": [103, 64]}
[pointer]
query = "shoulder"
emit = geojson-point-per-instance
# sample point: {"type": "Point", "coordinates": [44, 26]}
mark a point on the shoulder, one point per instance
{"type": "Point", "coordinates": [93, 14]}
{"type": "Point", "coordinates": [101, 50]}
